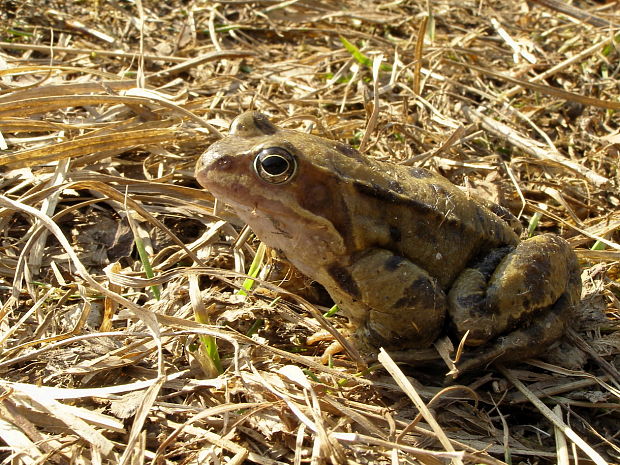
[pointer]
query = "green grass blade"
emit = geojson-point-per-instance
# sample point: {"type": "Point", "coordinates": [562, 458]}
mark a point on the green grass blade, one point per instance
{"type": "Point", "coordinates": [255, 267]}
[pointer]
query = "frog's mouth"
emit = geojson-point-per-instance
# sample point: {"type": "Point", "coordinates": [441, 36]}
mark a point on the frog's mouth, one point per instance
{"type": "Point", "coordinates": [280, 224]}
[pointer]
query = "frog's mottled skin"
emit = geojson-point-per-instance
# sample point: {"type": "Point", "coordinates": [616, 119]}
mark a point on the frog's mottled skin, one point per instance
{"type": "Point", "coordinates": [400, 249]}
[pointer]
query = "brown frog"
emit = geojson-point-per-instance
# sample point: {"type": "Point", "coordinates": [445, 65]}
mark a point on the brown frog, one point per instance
{"type": "Point", "coordinates": [403, 252]}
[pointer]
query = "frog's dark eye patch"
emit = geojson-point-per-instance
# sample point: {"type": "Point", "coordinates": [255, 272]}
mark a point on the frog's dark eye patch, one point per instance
{"type": "Point", "coordinates": [275, 165]}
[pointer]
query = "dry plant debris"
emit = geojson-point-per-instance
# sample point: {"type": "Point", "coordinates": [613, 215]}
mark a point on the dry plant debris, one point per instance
{"type": "Point", "coordinates": [104, 109]}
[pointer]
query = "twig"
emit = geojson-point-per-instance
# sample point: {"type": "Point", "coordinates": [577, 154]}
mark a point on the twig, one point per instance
{"type": "Point", "coordinates": [529, 146]}
{"type": "Point", "coordinates": [372, 121]}
{"type": "Point", "coordinates": [576, 13]}
{"type": "Point", "coordinates": [560, 440]}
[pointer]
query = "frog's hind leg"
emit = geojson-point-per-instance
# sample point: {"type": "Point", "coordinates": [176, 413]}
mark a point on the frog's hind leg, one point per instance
{"type": "Point", "coordinates": [527, 298]}
{"type": "Point", "coordinates": [522, 343]}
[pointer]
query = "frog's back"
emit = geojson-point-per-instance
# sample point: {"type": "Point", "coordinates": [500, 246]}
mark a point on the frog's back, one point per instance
{"type": "Point", "coordinates": [421, 216]}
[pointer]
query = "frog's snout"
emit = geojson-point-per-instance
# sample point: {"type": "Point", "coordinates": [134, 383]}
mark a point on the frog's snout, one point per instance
{"type": "Point", "coordinates": [211, 161]}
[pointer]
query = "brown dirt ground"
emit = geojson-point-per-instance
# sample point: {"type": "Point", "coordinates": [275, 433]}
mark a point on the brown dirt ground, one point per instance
{"type": "Point", "coordinates": [105, 107]}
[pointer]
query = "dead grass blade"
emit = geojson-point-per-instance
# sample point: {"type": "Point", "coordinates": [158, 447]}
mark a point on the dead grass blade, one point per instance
{"type": "Point", "coordinates": [30, 69]}
{"type": "Point", "coordinates": [78, 88]}
{"type": "Point", "coordinates": [557, 422]}
{"type": "Point", "coordinates": [578, 13]}
{"type": "Point", "coordinates": [85, 51]}
{"type": "Point", "coordinates": [24, 450]}
{"type": "Point", "coordinates": [576, 58]}
{"type": "Point", "coordinates": [193, 62]}
{"type": "Point", "coordinates": [136, 429]}
{"type": "Point", "coordinates": [62, 413]}
{"type": "Point", "coordinates": [545, 90]}
{"type": "Point", "coordinates": [214, 411]}
{"type": "Point", "coordinates": [530, 146]}
{"type": "Point", "coordinates": [408, 388]}
{"type": "Point", "coordinates": [122, 140]}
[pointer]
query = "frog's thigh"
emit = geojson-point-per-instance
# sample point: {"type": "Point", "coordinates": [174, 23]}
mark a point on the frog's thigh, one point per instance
{"type": "Point", "coordinates": [530, 278]}
{"type": "Point", "coordinates": [405, 304]}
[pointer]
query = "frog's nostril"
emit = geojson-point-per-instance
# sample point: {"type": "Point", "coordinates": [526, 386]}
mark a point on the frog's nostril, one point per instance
{"type": "Point", "coordinates": [210, 163]}
{"type": "Point", "coordinates": [222, 163]}
{"type": "Point", "coordinates": [214, 158]}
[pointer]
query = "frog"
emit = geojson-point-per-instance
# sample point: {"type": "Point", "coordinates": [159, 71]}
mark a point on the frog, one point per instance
{"type": "Point", "coordinates": [406, 255]}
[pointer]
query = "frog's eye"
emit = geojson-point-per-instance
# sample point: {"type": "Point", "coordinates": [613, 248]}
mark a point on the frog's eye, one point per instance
{"type": "Point", "coordinates": [275, 165]}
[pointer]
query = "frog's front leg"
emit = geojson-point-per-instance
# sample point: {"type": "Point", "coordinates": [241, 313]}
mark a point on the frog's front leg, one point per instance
{"type": "Point", "coordinates": [391, 301]}
{"type": "Point", "coordinates": [527, 295]}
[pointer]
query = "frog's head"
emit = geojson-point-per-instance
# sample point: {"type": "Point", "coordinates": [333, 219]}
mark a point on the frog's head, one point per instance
{"type": "Point", "coordinates": [253, 153]}
{"type": "Point", "coordinates": [285, 184]}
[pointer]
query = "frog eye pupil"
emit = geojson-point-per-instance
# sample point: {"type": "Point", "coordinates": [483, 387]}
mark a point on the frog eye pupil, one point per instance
{"type": "Point", "coordinates": [275, 165]}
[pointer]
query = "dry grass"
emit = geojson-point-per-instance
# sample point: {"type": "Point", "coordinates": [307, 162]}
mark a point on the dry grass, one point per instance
{"type": "Point", "coordinates": [101, 360]}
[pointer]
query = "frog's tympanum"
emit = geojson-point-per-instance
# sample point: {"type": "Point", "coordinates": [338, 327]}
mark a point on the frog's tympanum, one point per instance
{"type": "Point", "coordinates": [405, 254]}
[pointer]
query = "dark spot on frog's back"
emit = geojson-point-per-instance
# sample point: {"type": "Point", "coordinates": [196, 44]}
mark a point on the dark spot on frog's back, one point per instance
{"type": "Point", "coordinates": [420, 173]}
{"type": "Point", "coordinates": [395, 234]}
{"type": "Point", "coordinates": [473, 302]}
{"type": "Point", "coordinates": [264, 125]}
{"type": "Point", "coordinates": [347, 150]}
{"type": "Point", "coordinates": [534, 273]}
{"type": "Point", "coordinates": [344, 279]}
{"type": "Point", "coordinates": [373, 190]}
{"type": "Point", "coordinates": [395, 186]}
{"type": "Point", "coordinates": [386, 195]}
